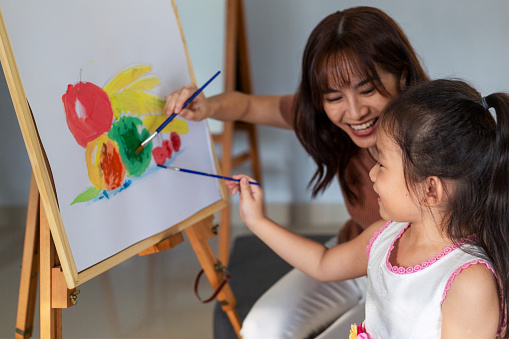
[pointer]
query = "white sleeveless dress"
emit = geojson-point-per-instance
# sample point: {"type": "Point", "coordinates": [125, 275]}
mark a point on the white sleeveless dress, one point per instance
{"type": "Point", "coordinates": [406, 302]}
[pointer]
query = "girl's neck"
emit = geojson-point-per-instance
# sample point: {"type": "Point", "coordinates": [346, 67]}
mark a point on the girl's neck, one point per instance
{"type": "Point", "coordinates": [417, 244]}
{"type": "Point", "coordinates": [420, 234]}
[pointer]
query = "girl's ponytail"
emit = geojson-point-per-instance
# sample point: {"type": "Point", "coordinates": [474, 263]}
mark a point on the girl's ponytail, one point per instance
{"type": "Point", "coordinates": [496, 235]}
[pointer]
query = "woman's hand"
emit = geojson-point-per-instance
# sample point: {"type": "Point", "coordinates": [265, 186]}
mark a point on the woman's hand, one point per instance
{"type": "Point", "coordinates": [196, 110]}
{"type": "Point", "coordinates": [251, 199]}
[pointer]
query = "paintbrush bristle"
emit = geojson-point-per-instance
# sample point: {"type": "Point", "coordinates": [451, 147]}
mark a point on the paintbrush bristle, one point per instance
{"type": "Point", "coordinates": [138, 150]}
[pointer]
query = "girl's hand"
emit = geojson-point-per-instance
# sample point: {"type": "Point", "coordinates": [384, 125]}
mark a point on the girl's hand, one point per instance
{"type": "Point", "coordinates": [196, 110]}
{"type": "Point", "coordinates": [251, 199]}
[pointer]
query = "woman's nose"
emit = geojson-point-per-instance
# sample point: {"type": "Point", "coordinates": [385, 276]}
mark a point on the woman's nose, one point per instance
{"type": "Point", "coordinates": [356, 108]}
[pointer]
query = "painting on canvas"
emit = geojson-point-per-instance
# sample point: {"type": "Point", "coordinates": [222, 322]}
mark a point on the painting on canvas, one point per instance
{"type": "Point", "coordinates": [96, 74]}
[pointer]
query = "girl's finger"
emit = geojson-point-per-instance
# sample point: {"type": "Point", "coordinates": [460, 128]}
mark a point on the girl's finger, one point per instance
{"type": "Point", "coordinates": [233, 186]}
{"type": "Point", "coordinates": [245, 188]}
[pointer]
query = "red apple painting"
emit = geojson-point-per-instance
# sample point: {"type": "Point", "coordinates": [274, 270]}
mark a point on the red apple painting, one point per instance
{"type": "Point", "coordinates": [111, 122]}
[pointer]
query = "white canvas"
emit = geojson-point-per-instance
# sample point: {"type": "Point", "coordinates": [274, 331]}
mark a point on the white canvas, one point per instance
{"type": "Point", "coordinates": [61, 43]}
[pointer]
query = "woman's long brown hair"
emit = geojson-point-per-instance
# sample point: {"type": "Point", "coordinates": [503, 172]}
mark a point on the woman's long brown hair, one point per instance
{"type": "Point", "coordinates": [353, 42]}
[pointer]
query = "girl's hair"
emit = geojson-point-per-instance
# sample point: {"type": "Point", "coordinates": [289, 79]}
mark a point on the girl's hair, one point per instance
{"type": "Point", "coordinates": [445, 129]}
{"type": "Point", "coordinates": [348, 43]}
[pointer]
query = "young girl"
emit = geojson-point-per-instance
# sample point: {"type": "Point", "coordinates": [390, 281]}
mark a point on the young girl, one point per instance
{"type": "Point", "coordinates": [440, 267]}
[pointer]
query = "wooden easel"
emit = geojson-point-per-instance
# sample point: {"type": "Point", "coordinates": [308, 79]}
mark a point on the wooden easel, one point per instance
{"type": "Point", "coordinates": [47, 252]}
{"type": "Point", "coordinates": [40, 257]}
{"type": "Point", "coordinates": [237, 78]}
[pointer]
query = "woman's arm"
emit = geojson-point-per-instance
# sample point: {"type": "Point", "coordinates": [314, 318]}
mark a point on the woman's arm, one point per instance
{"type": "Point", "coordinates": [229, 106]}
{"type": "Point", "coordinates": [345, 261]}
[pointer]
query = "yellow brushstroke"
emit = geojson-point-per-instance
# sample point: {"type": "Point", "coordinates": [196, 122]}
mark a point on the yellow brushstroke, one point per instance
{"type": "Point", "coordinates": [152, 122]}
{"type": "Point", "coordinates": [145, 83]}
{"type": "Point", "coordinates": [136, 102]}
{"type": "Point", "coordinates": [93, 160]}
{"type": "Point", "coordinates": [125, 77]}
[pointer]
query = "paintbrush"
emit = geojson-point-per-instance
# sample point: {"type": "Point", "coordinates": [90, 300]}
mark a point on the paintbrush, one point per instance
{"type": "Point", "coordinates": [178, 169]}
{"type": "Point", "coordinates": [173, 115]}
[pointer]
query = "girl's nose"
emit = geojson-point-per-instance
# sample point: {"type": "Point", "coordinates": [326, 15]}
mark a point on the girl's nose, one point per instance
{"type": "Point", "coordinates": [373, 172]}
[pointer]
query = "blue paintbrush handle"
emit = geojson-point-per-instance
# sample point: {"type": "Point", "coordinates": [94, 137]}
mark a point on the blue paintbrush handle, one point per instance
{"type": "Point", "coordinates": [166, 122]}
{"type": "Point", "coordinates": [205, 174]}
{"type": "Point", "coordinates": [173, 115]}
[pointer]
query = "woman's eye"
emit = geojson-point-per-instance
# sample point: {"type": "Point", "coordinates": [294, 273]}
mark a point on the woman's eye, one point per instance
{"type": "Point", "coordinates": [379, 164]}
{"type": "Point", "coordinates": [368, 90]}
{"type": "Point", "coordinates": [333, 98]}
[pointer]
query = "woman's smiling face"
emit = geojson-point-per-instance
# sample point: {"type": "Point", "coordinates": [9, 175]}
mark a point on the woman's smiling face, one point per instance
{"type": "Point", "coordinates": [356, 108]}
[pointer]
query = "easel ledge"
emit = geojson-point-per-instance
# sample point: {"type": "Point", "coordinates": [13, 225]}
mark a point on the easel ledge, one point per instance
{"type": "Point", "coordinates": [39, 256]}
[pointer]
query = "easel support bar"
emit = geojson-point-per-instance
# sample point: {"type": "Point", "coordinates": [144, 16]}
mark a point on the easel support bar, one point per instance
{"type": "Point", "coordinates": [166, 244]}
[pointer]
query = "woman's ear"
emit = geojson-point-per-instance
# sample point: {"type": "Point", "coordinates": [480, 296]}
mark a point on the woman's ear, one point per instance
{"type": "Point", "coordinates": [434, 192]}
{"type": "Point", "coordinates": [402, 80]}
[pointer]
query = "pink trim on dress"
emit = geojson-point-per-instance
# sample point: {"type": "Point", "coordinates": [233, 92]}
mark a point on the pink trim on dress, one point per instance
{"type": "Point", "coordinates": [368, 248]}
{"type": "Point", "coordinates": [416, 268]}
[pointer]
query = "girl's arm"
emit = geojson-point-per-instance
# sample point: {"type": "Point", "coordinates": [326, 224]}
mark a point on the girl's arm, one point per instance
{"type": "Point", "coordinates": [229, 106]}
{"type": "Point", "coordinates": [345, 261]}
{"type": "Point", "coordinates": [471, 308]}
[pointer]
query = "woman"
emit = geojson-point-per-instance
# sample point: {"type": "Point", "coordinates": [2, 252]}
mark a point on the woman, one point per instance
{"type": "Point", "coordinates": [354, 62]}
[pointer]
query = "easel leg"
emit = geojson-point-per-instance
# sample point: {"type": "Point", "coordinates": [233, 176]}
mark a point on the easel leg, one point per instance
{"type": "Point", "coordinates": [198, 235]}
{"type": "Point", "coordinates": [224, 220]}
{"type": "Point", "coordinates": [29, 267]}
{"type": "Point", "coordinates": [51, 318]}
{"type": "Point", "coordinates": [39, 256]}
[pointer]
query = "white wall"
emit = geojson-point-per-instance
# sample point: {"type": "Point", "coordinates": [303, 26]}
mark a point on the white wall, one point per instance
{"type": "Point", "coordinates": [455, 38]}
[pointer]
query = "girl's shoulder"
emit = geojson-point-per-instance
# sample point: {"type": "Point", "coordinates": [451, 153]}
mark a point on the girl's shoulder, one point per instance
{"type": "Point", "coordinates": [378, 226]}
{"type": "Point", "coordinates": [375, 229]}
{"type": "Point", "coordinates": [475, 278]}
{"type": "Point", "coordinates": [387, 228]}
{"type": "Point", "coordinates": [472, 298]}
{"type": "Point", "coordinates": [372, 232]}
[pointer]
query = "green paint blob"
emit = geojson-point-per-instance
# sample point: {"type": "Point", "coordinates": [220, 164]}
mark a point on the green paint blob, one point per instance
{"type": "Point", "coordinates": [125, 132]}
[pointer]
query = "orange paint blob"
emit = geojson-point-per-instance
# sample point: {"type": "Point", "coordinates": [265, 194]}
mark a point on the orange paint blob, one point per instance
{"type": "Point", "coordinates": [104, 164]}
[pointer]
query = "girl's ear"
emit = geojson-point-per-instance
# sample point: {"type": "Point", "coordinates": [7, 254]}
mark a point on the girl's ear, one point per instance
{"type": "Point", "coordinates": [434, 192]}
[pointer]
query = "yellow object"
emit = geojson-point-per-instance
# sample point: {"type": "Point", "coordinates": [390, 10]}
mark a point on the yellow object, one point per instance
{"type": "Point", "coordinates": [126, 77]}
{"type": "Point", "coordinates": [136, 102]}
{"type": "Point", "coordinates": [152, 122]}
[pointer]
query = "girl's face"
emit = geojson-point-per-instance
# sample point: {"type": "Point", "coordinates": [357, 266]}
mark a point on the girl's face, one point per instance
{"type": "Point", "coordinates": [355, 109]}
{"type": "Point", "coordinates": [395, 201]}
